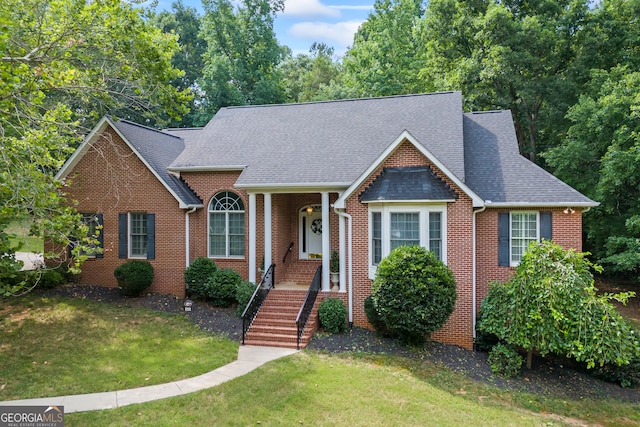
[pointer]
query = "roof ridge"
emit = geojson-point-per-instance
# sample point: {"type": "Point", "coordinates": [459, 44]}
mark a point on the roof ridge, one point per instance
{"type": "Point", "coordinates": [117, 120]}
{"type": "Point", "coordinates": [335, 101]}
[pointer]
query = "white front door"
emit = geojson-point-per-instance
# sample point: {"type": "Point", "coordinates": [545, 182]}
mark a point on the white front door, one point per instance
{"type": "Point", "coordinates": [311, 232]}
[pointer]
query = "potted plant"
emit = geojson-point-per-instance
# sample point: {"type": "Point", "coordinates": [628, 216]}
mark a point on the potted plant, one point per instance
{"type": "Point", "coordinates": [334, 266]}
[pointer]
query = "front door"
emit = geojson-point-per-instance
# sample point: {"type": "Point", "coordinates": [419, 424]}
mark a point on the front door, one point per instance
{"type": "Point", "coordinates": [311, 232]}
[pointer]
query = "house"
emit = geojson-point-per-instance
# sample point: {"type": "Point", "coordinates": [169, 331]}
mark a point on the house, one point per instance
{"type": "Point", "coordinates": [359, 177]}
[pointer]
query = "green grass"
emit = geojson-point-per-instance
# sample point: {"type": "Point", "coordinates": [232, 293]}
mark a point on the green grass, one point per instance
{"type": "Point", "coordinates": [22, 239]}
{"type": "Point", "coordinates": [53, 347]}
{"type": "Point", "coordinates": [315, 389]}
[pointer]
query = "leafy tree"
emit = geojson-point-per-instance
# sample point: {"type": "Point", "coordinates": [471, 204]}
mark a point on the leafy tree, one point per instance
{"type": "Point", "coordinates": [242, 54]}
{"type": "Point", "coordinates": [64, 64]}
{"type": "Point", "coordinates": [383, 59]}
{"type": "Point", "coordinates": [413, 292]}
{"type": "Point", "coordinates": [551, 306]}
{"type": "Point", "coordinates": [185, 22]}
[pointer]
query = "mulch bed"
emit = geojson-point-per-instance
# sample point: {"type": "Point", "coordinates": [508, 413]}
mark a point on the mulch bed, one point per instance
{"type": "Point", "coordinates": [548, 376]}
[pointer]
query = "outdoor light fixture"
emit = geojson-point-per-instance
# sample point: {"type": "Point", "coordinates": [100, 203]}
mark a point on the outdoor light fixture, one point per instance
{"type": "Point", "coordinates": [309, 210]}
{"type": "Point", "coordinates": [187, 305]}
{"type": "Point", "coordinates": [569, 211]}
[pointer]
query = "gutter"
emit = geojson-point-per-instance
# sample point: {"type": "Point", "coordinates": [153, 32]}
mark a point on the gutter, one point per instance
{"type": "Point", "coordinates": [474, 268]}
{"type": "Point", "coordinates": [187, 242]}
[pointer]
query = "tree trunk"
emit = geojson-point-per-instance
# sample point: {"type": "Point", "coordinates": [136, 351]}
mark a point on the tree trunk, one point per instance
{"type": "Point", "coordinates": [529, 358]}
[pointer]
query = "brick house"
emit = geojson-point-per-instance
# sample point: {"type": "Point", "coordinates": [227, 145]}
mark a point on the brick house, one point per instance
{"type": "Point", "coordinates": [359, 177]}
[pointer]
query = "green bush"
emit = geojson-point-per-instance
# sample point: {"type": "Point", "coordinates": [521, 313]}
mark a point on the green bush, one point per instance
{"type": "Point", "coordinates": [198, 274]}
{"type": "Point", "coordinates": [333, 315]}
{"type": "Point", "coordinates": [374, 318]}
{"type": "Point", "coordinates": [626, 375]}
{"type": "Point", "coordinates": [484, 340]}
{"type": "Point", "coordinates": [244, 292]}
{"type": "Point", "coordinates": [48, 278]}
{"type": "Point", "coordinates": [414, 293]}
{"type": "Point", "coordinates": [134, 277]}
{"type": "Point", "coordinates": [221, 288]}
{"type": "Point", "coordinates": [505, 361]}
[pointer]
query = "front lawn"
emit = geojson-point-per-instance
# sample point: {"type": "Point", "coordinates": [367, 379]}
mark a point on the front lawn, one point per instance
{"type": "Point", "coordinates": [59, 346]}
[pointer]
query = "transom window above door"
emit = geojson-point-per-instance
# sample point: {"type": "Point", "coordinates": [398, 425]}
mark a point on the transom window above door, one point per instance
{"type": "Point", "coordinates": [226, 226]}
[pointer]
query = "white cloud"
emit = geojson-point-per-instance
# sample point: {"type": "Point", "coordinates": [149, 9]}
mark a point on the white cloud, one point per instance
{"type": "Point", "coordinates": [353, 7]}
{"type": "Point", "coordinates": [309, 8]}
{"type": "Point", "coordinates": [340, 32]}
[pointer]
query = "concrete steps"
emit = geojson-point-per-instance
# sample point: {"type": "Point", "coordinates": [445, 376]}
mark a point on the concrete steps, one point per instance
{"type": "Point", "coordinates": [275, 324]}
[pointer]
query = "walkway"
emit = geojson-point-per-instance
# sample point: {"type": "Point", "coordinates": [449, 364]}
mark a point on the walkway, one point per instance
{"type": "Point", "coordinates": [249, 358]}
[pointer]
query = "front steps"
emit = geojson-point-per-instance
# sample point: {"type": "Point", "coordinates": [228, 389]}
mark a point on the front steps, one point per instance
{"type": "Point", "coordinates": [275, 323]}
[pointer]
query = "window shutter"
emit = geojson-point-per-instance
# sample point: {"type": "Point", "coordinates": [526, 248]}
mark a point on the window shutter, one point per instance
{"type": "Point", "coordinates": [151, 236]}
{"type": "Point", "coordinates": [100, 219]}
{"type": "Point", "coordinates": [503, 239]}
{"type": "Point", "coordinates": [546, 231]}
{"type": "Point", "coordinates": [122, 235]}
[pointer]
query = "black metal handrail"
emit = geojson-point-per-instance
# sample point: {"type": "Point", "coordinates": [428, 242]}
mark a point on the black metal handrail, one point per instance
{"type": "Point", "coordinates": [286, 254]}
{"type": "Point", "coordinates": [258, 297]}
{"type": "Point", "coordinates": [307, 305]}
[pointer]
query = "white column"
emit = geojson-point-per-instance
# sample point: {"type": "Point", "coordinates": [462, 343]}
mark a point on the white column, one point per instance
{"type": "Point", "coordinates": [267, 230]}
{"type": "Point", "coordinates": [326, 243]}
{"type": "Point", "coordinates": [252, 237]}
{"type": "Point", "coordinates": [343, 251]}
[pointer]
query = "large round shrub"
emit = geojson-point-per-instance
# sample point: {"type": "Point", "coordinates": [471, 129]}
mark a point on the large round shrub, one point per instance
{"type": "Point", "coordinates": [333, 315]}
{"type": "Point", "coordinates": [414, 292]}
{"type": "Point", "coordinates": [374, 318]}
{"type": "Point", "coordinates": [198, 274]}
{"type": "Point", "coordinates": [221, 288]}
{"type": "Point", "coordinates": [244, 292]}
{"type": "Point", "coordinates": [134, 277]}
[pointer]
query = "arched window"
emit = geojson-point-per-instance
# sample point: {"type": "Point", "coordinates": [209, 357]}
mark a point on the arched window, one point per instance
{"type": "Point", "coordinates": [226, 226]}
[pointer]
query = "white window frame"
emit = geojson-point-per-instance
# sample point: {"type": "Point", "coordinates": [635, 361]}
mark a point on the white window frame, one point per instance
{"type": "Point", "coordinates": [226, 213]}
{"type": "Point", "coordinates": [423, 210]}
{"type": "Point", "coordinates": [130, 235]}
{"type": "Point", "coordinates": [91, 221]}
{"type": "Point", "coordinates": [512, 262]}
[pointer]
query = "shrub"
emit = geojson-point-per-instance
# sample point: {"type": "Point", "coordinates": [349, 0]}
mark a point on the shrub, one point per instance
{"type": "Point", "coordinates": [134, 277]}
{"type": "Point", "coordinates": [414, 292]}
{"type": "Point", "coordinates": [484, 340]}
{"type": "Point", "coordinates": [374, 317]}
{"type": "Point", "coordinates": [244, 292]}
{"type": "Point", "coordinates": [626, 375]}
{"type": "Point", "coordinates": [198, 274]}
{"type": "Point", "coordinates": [48, 278]}
{"type": "Point", "coordinates": [221, 288]}
{"type": "Point", "coordinates": [333, 315]}
{"type": "Point", "coordinates": [505, 361]}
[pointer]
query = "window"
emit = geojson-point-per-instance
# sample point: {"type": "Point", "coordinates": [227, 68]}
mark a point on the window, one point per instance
{"type": "Point", "coordinates": [95, 223]}
{"type": "Point", "coordinates": [226, 226]}
{"type": "Point", "coordinates": [516, 230]}
{"type": "Point", "coordinates": [136, 235]}
{"type": "Point", "coordinates": [393, 226]}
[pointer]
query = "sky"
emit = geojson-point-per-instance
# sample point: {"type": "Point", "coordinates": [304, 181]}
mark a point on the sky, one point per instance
{"type": "Point", "coordinates": [333, 22]}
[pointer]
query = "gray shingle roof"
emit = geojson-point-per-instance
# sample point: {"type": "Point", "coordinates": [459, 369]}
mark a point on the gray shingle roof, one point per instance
{"type": "Point", "coordinates": [407, 183]}
{"type": "Point", "coordinates": [324, 143]}
{"type": "Point", "coordinates": [159, 149]}
{"type": "Point", "coordinates": [497, 172]}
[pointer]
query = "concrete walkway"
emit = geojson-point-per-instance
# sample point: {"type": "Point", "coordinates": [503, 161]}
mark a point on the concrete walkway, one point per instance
{"type": "Point", "coordinates": [249, 358]}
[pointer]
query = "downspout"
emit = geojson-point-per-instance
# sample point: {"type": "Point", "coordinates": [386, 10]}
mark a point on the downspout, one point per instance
{"type": "Point", "coordinates": [350, 265]}
{"type": "Point", "coordinates": [473, 269]}
{"type": "Point", "coordinates": [186, 234]}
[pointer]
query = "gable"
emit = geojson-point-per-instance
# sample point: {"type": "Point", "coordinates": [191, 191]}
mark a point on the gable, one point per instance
{"type": "Point", "coordinates": [409, 183]}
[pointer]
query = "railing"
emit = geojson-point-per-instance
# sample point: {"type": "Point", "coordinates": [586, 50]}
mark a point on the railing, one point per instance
{"type": "Point", "coordinates": [258, 297]}
{"type": "Point", "coordinates": [286, 254]}
{"type": "Point", "coordinates": [309, 301]}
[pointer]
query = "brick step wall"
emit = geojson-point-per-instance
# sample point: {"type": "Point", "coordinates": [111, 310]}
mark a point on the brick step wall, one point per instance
{"type": "Point", "coordinates": [301, 271]}
{"type": "Point", "coordinates": [275, 324]}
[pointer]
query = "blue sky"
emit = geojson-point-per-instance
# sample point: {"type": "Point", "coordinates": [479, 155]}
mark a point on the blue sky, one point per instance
{"type": "Point", "coordinates": [304, 21]}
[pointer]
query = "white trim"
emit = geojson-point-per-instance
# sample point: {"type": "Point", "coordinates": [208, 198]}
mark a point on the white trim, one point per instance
{"type": "Point", "coordinates": [513, 263]}
{"type": "Point", "coordinates": [129, 233]}
{"type": "Point", "coordinates": [252, 238]}
{"type": "Point", "coordinates": [423, 210]}
{"type": "Point", "coordinates": [326, 243]}
{"type": "Point", "coordinates": [227, 235]}
{"type": "Point", "coordinates": [207, 168]}
{"type": "Point", "coordinates": [276, 188]}
{"type": "Point", "coordinates": [406, 136]}
{"type": "Point", "coordinates": [532, 205]}
{"type": "Point", "coordinates": [268, 254]}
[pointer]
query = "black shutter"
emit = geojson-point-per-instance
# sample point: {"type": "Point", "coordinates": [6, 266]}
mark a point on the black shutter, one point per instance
{"type": "Point", "coordinates": [122, 235]}
{"type": "Point", "coordinates": [503, 239]}
{"type": "Point", "coordinates": [546, 231]}
{"type": "Point", "coordinates": [100, 220]}
{"type": "Point", "coordinates": [151, 236]}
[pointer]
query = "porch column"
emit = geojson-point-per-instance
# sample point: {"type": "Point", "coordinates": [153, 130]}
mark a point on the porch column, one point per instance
{"type": "Point", "coordinates": [267, 230]}
{"type": "Point", "coordinates": [342, 222]}
{"type": "Point", "coordinates": [252, 237]}
{"type": "Point", "coordinates": [326, 243]}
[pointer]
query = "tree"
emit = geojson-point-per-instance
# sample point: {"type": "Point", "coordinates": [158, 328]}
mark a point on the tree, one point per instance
{"type": "Point", "coordinates": [514, 55]}
{"type": "Point", "coordinates": [551, 306]}
{"type": "Point", "coordinates": [242, 54]}
{"type": "Point", "coordinates": [413, 292]}
{"type": "Point", "coordinates": [383, 59]}
{"type": "Point", "coordinates": [185, 22]}
{"type": "Point", "coordinates": [306, 77]}
{"type": "Point", "coordinates": [64, 64]}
